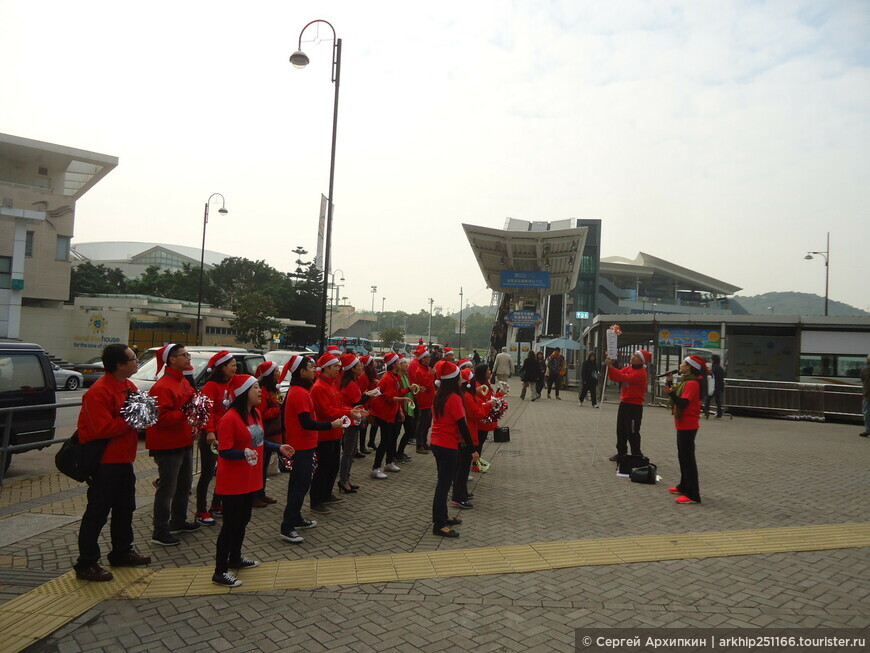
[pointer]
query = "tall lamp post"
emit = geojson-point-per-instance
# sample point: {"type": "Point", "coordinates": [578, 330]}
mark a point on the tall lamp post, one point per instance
{"type": "Point", "coordinates": [299, 60]}
{"type": "Point", "coordinates": [223, 211]}
{"type": "Point", "coordinates": [826, 253]}
{"type": "Point", "coordinates": [335, 296]}
{"type": "Point", "coordinates": [460, 321]}
{"type": "Point", "coordinates": [431, 302]}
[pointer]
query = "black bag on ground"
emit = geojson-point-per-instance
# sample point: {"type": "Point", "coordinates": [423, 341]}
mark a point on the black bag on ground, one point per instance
{"type": "Point", "coordinates": [501, 434]}
{"type": "Point", "coordinates": [630, 461]}
{"type": "Point", "coordinates": [645, 474]}
{"type": "Point", "coordinates": [79, 460]}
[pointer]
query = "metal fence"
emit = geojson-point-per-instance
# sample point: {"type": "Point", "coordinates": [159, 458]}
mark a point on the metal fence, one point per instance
{"type": "Point", "coordinates": [7, 415]}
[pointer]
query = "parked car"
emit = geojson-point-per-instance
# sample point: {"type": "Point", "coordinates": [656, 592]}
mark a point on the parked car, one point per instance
{"type": "Point", "coordinates": [147, 375]}
{"type": "Point", "coordinates": [150, 353]}
{"type": "Point", "coordinates": [67, 379]}
{"type": "Point", "coordinates": [281, 356]}
{"type": "Point", "coordinates": [90, 371]}
{"type": "Point", "coordinates": [26, 379]}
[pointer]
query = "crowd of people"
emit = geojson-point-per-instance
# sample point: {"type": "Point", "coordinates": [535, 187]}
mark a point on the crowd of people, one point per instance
{"type": "Point", "coordinates": [331, 411]}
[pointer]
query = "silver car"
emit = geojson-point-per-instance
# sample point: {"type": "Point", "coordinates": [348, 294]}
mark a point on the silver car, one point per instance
{"type": "Point", "coordinates": [67, 379]}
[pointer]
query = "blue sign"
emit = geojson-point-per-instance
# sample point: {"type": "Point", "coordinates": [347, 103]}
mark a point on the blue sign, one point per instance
{"type": "Point", "coordinates": [523, 319]}
{"type": "Point", "coordinates": [524, 279]}
{"type": "Point", "coordinates": [582, 315]}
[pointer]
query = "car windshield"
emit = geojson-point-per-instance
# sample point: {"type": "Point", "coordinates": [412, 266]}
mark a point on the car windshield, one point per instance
{"type": "Point", "coordinates": [148, 370]}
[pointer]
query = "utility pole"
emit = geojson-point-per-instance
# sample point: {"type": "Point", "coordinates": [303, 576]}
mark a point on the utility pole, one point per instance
{"type": "Point", "coordinates": [431, 303]}
{"type": "Point", "coordinates": [460, 321]}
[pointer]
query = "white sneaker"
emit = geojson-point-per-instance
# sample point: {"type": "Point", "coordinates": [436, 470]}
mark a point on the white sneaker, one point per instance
{"type": "Point", "coordinates": [393, 467]}
{"type": "Point", "coordinates": [378, 474]}
{"type": "Point", "coordinates": [470, 478]}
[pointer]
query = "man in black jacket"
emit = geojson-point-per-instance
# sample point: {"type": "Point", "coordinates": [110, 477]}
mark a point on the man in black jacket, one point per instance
{"type": "Point", "coordinates": [589, 380]}
{"type": "Point", "coordinates": [718, 374]}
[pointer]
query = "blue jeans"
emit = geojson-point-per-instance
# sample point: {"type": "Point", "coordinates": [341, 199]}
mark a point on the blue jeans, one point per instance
{"type": "Point", "coordinates": [297, 488]}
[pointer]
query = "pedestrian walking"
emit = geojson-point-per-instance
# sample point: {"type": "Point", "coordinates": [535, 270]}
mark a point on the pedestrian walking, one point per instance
{"type": "Point", "coordinates": [589, 380]}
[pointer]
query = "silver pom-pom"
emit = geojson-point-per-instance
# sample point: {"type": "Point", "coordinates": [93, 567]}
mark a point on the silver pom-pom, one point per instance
{"type": "Point", "coordinates": [140, 410]}
{"type": "Point", "coordinates": [197, 409]}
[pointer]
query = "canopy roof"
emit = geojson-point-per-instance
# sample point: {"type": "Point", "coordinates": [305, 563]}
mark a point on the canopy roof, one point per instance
{"type": "Point", "coordinates": [646, 265]}
{"type": "Point", "coordinates": [558, 252]}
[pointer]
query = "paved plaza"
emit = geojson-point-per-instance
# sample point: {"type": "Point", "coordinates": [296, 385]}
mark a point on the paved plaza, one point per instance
{"type": "Point", "coordinates": [555, 542]}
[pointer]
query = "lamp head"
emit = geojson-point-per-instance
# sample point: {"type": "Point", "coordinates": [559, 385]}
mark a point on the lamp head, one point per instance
{"type": "Point", "coordinates": [299, 59]}
{"type": "Point", "coordinates": [222, 210]}
{"type": "Point", "coordinates": [809, 257]}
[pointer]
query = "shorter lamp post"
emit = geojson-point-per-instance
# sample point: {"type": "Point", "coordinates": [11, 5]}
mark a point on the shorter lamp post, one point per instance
{"type": "Point", "coordinates": [826, 253]}
{"type": "Point", "coordinates": [223, 211]}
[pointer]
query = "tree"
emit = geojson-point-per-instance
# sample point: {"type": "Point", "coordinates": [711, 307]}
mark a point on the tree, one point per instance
{"type": "Point", "coordinates": [390, 336]}
{"type": "Point", "coordinates": [87, 279]}
{"type": "Point", "coordinates": [254, 322]}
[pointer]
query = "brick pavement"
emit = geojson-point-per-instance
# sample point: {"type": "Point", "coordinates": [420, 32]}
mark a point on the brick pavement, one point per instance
{"type": "Point", "coordinates": [544, 486]}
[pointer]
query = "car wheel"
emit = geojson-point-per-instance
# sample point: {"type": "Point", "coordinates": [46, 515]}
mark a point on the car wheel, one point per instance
{"type": "Point", "coordinates": [72, 383]}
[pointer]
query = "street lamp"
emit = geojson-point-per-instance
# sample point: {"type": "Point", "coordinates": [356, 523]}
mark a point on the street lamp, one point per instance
{"type": "Point", "coordinates": [826, 253]}
{"type": "Point", "coordinates": [431, 302]}
{"type": "Point", "coordinates": [335, 298]}
{"type": "Point", "coordinates": [460, 321]}
{"type": "Point", "coordinates": [299, 60]}
{"type": "Point", "coordinates": [223, 211]}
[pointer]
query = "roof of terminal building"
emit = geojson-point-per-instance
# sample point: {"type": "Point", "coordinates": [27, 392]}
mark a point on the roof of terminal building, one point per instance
{"type": "Point", "coordinates": [128, 252]}
{"type": "Point", "coordinates": [646, 265]}
{"type": "Point", "coordinates": [557, 252]}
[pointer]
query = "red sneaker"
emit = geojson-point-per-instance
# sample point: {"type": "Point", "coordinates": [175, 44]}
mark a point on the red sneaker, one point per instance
{"type": "Point", "coordinates": [684, 499]}
{"type": "Point", "coordinates": [674, 490]}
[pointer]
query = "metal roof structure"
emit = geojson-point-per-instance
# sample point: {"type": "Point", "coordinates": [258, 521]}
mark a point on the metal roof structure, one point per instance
{"type": "Point", "coordinates": [558, 252]}
{"type": "Point", "coordinates": [119, 252]}
{"type": "Point", "coordinates": [646, 265]}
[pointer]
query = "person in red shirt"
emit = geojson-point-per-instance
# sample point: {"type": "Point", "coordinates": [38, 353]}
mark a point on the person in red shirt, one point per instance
{"type": "Point", "coordinates": [449, 433]}
{"type": "Point", "coordinates": [367, 381]}
{"type": "Point", "coordinates": [685, 402]}
{"type": "Point", "coordinates": [328, 405]}
{"type": "Point", "coordinates": [241, 444]}
{"type": "Point", "coordinates": [170, 443]}
{"type": "Point", "coordinates": [352, 395]}
{"type": "Point", "coordinates": [631, 396]}
{"type": "Point", "coordinates": [424, 376]}
{"type": "Point", "coordinates": [222, 368]}
{"type": "Point", "coordinates": [300, 431]}
{"type": "Point", "coordinates": [385, 408]}
{"type": "Point", "coordinates": [270, 411]}
{"type": "Point", "coordinates": [477, 400]}
{"type": "Point", "coordinates": [113, 486]}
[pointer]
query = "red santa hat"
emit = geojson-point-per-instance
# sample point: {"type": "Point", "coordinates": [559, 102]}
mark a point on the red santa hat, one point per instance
{"type": "Point", "coordinates": [465, 363]}
{"type": "Point", "coordinates": [326, 360]}
{"type": "Point", "coordinates": [188, 371]}
{"type": "Point", "coordinates": [445, 370]}
{"type": "Point", "coordinates": [238, 385]}
{"type": "Point", "coordinates": [291, 366]}
{"type": "Point", "coordinates": [697, 362]}
{"type": "Point", "coordinates": [467, 374]}
{"type": "Point", "coordinates": [365, 360]}
{"type": "Point", "coordinates": [348, 361]}
{"type": "Point", "coordinates": [645, 355]}
{"type": "Point", "coordinates": [391, 358]}
{"type": "Point", "coordinates": [218, 359]}
{"type": "Point", "coordinates": [163, 356]}
{"type": "Point", "coordinates": [333, 348]}
{"type": "Point", "coordinates": [265, 369]}
{"type": "Point", "coordinates": [447, 350]}
{"type": "Point", "coordinates": [421, 353]}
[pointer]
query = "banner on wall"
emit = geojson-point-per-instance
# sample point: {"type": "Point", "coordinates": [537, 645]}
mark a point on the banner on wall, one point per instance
{"type": "Point", "coordinates": [701, 338]}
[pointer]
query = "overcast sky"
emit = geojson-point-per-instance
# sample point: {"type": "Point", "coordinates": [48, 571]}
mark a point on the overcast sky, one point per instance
{"type": "Point", "coordinates": [727, 137]}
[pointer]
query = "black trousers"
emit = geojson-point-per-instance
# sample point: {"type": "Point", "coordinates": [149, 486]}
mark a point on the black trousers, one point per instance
{"type": "Point", "coordinates": [387, 446]}
{"type": "Point", "coordinates": [373, 433]}
{"type": "Point", "coordinates": [553, 380]}
{"type": "Point", "coordinates": [688, 467]}
{"type": "Point", "coordinates": [328, 460]}
{"type": "Point", "coordinates": [591, 388]}
{"type": "Point", "coordinates": [717, 396]}
{"type": "Point", "coordinates": [446, 460]}
{"type": "Point", "coordinates": [410, 431]}
{"type": "Point", "coordinates": [237, 514]}
{"type": "Point", "coordinates": [112, 489]}
{"type": "Point", "coordinates": [463, 468]}
{"type": "Point", "coordinates": [424, 423]}
{"type": "Point", "coordinates": [481, 440]}
{"type": "Point", "coordinates": [628, 418]}
{"type": "Point", "coordinates": [207, 471]}
{"type": "Point", "coordinates": [297, 487]}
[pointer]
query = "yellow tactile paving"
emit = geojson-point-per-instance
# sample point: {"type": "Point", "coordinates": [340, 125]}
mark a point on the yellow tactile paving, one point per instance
{"type": "Point", "coordinates": [33, 615]}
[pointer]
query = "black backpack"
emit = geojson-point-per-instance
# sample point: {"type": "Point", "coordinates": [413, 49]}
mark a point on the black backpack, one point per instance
{"type": "Point", "coordinates": [80, 460]}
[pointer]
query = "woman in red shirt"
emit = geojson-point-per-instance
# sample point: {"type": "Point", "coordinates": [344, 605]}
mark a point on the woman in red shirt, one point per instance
{"type": "Point", "coordinates": [222, 368]}
{"type": "Point", "coordinates": [385, 408]}
{"type": "Point", "coordinates": [241, 443]}
{"type": "Point", "coordinates": [300, 432]}
{"type": "Point", "coordinates": [270, 410]}
{"type": "Point", "coordinates": [352, 395]}
{"type": "Point", "coordinates": [685, 402]}
{"type": "Point", "coordinates": [367, 381]}
{"type": "Point", "coordinates": [449, 433]}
